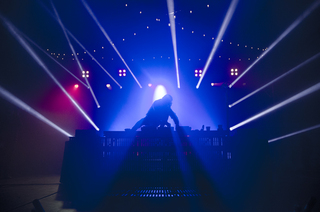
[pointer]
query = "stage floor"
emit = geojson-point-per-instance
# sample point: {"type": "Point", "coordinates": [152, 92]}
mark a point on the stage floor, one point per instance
{"type": "Point", "coordinates": [286, 192]}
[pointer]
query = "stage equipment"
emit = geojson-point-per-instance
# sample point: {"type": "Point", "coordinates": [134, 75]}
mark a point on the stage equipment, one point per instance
{"type": "Point", "coordinates": [147, 158]}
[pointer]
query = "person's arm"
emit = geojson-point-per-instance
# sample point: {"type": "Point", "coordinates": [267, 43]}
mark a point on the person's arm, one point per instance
{"type": "Point", "coordinates": [175, 118]}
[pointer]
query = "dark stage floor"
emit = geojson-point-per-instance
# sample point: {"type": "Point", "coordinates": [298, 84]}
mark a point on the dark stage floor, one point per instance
{"type": "Point", "coordinates": [286, 193]}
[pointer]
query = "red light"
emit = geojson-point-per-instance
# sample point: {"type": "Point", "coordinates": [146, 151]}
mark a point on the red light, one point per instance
{"type": "Point", "coordinates": [76, 86]}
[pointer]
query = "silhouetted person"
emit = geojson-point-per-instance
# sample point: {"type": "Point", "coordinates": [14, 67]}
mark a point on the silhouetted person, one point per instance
{"type": "Point", "coordinates": [158, 114]}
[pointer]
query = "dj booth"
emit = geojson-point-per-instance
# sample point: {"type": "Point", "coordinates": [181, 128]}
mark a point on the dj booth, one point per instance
{"type": "Point", "coordinates": [146, 158]}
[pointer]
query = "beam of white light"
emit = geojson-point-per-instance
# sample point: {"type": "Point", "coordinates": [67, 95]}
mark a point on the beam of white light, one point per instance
{"type": "Point", "coordinates": [223, 28]}
{"type": "Point", "coordinates": [94, 59]}
{"type": "Point", "coordinates": [74, 53]}
{"type": "Point", "coordinates": [14, 32]}
{"type": "Point", "coordinates": [108, 38]}
{"type": "Point", "coordinates": [294, 133]}
{"type": "Point", "coordinates": [31, 41]}
{"type": "Point", "coordinates": [281, 104]}
{"type": "Point", "coordinates": [159, 92]}
{"type": "Point", "coordinates": [170, 5]}
{"type": "Point", "coordinates": [284, 34]}
{"type": "Point", "coordinates": [14, 100]}
{"type": "Point", "coordinates": [283, 75]}
{"type": "Point", "coordinates": [80, 44]}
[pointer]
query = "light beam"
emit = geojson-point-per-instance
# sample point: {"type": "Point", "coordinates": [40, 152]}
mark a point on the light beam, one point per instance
{"type": "Point", "coordinates": [31, 41]}
{"type": "Point", "coordinates": [80, 44]}
{"type": "Point", "coordinates": [170, 5]}
{"type": "Point", "coordinates": [284, 34]}
{"type": "Point", "coordinates": [14, 32]}
{"type": "Point", "coordinates": [74, 53]}
{"type": "Point", "coordinates": [291, 99]}
{"type": "Point", "coordinates": [294, 133]}
{"type": "Point", "coordinates": [108, 38]}
{"type": "Point", "coordinates": [273, 81]}
{"type": "Point", "coordinates": [14, 100]}
{"type": "Point", "coordinates": [223, 28]}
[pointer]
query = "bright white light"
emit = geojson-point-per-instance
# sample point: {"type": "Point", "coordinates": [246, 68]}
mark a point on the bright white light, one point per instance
{"type": "Point", "coordinates": [283, 35]}
{"type": "Point", "coordinates": [159, 92]}
{"type": "Point", "coordinates": [72, 49]}
{"type": "Point", "coordinates": [108, 38]}
{"type": "Point", "coordinates": [278, 78]}
{"type": "Point", "coordinates": [14, 100]}
{"type": "Point", "coordinates": [14, 32]}
{"type": "Point", "coordinates": [291, 99]}
{"type": "Point", "coordinates": [170, 5]}
{"type": "Point", "coordinates": [294, 133]}
{"type": "Point", "coordinates": [223, 28]}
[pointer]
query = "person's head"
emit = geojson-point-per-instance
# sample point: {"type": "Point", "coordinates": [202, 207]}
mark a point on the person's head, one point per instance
{"type": "Point", "coordinates": [167, 99]}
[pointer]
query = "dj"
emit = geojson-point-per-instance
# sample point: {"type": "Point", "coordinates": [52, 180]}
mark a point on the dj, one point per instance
{"type": "Point", "coordinates": [158, 114]}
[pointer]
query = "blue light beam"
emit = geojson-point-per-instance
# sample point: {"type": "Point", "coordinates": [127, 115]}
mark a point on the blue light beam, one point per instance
{"type": "Point", "coordinates": [222, 30]}
{"type": "Point", "coordinates": [294, 133]}
{"type": "Point", "coordinates": [74, 53]}
{"type": "Point", "coordinates": [291, 99]}
{"type": "Point", "coordinates": [278, 78]}
{"type": "Point", "coordinates": [14, 100]}
{"type": "Point", "coordinates": [170, 5]}
{"type": "Point", "coordinates": [108, 38]}
{"type": "Point", "coordinates": [14, 32]}
{"type": "Point", "coordinates": [283, 35]}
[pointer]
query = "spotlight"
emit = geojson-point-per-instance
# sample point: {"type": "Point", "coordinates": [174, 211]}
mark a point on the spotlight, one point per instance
{"type": "Point", "coordinates": [222, 30]}
{"type": "Point", "coordinates": [76, 86]}
{"type": "Point", "coordinates": [212, 84]}
{"type": "Point", "coordinates": [149, 84]}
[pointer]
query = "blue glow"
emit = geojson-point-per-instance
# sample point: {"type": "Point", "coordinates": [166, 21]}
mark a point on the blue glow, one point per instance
{"type": "Point", "coordinates": [159, 92]}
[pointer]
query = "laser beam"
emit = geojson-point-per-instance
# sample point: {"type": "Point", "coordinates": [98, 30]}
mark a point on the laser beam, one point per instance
{"type": "Point", "coordinates": [14, 100]}
{"type": "Point", "coordinates": [31, 41]}
{"type": "Point", "coordinates": [283, 35]}
{"type": "Point", "coordinates": [170, 5]}
{"type": "Point", "coordinates": [80, 44]}
{"type": "Point", "coordinates": [278, 78]}
{"type": "Point", "coordinates": [24, 44]}
{"type": "Point", "coordinates": [74, 53]}
{"type": "Point", "coordinates": [108, 38]}
{"type": "Point", "coordinates": [223, 28]}
{"type": "Point", "coordinates": [287, 101]}
{"type": "Point", "coordinates": [294, 133]}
